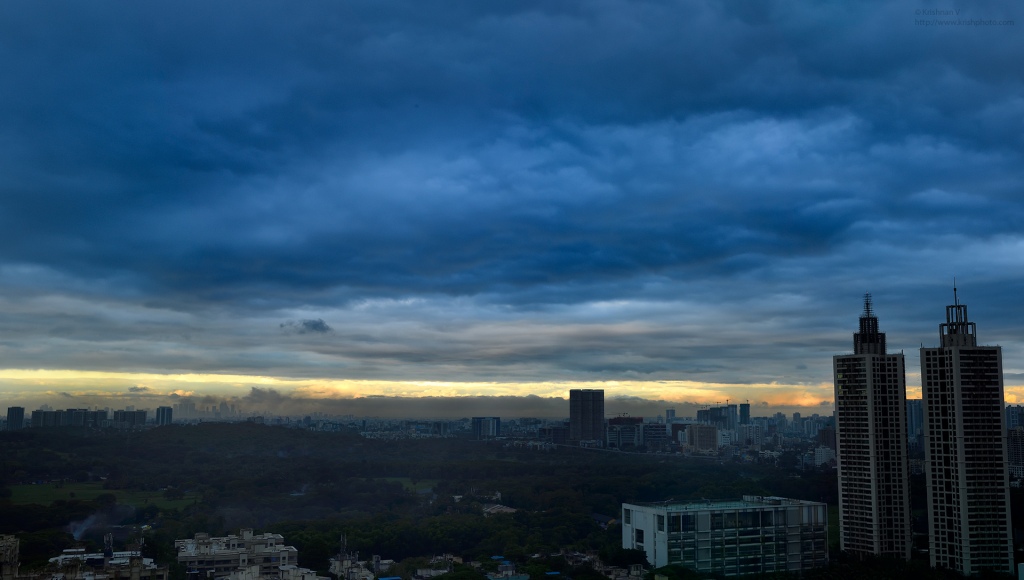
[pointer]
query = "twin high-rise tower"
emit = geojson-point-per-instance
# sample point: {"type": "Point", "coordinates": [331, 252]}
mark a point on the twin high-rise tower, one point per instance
{"type": "Point", "coordinates": [871, 445]}
{"type": "Point", "coordinates": [965, 452]}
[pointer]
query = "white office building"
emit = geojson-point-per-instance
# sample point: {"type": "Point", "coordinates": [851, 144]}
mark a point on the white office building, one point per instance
{"type": "Point", "coordinates": [753, 536]}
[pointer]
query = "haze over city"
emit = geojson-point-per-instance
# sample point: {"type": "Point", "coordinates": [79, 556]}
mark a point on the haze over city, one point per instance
{"type": "Point", "coordinates": [386, 208]}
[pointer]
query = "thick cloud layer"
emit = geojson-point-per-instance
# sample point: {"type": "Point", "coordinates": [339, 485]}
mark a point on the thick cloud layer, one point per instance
{"type": "Point", "coordinates": [592, 191]}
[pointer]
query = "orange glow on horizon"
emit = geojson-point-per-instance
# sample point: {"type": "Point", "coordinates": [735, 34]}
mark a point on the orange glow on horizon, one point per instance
{"type": "Point", "coordinates": [46, 383]}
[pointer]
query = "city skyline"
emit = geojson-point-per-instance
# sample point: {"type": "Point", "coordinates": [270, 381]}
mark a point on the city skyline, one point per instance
{"type": "Point", "coordinates": [334, 206]}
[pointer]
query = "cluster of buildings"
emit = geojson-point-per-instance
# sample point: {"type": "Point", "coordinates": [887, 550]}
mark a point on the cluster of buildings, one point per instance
{"type": "Point", "coordinates": [959, 424]}
{"type": "Point", "coordinates": [962, 428]}
{"type": "Point", "coordinates": [246, 556]}
{"type": "Point", "coordinates": [129, 418]}
{"type": "Point", "coordinates": [715, 429]}
{"type": "Point", "coordinates": [77, 564]}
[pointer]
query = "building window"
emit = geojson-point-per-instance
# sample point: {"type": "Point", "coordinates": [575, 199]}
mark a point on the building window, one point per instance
{"type": "Point", "coordinates": [627, 516]}
{"type": "Point", "coordinates": [661, 523]}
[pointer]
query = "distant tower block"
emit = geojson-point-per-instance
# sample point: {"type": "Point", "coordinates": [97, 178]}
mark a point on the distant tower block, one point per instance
{"type": "Point", "coordinates": [586, 415]}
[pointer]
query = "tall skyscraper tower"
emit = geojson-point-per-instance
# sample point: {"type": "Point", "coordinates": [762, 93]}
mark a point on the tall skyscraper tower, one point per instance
{"type": "Point", "coordinates": [965, 450]}
{"type": "Point", "coordinates": [871, 445]}
{"type": "Point", "coordinates": [586, 415]}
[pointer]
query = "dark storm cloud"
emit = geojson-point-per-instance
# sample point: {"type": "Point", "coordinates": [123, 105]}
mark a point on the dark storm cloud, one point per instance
{"type": "Point", "coordinates": [577, 190]}
{"type": "Point", "coordinates": [138, 389]}
{"type": "Point", "coordinates": [317, 326]}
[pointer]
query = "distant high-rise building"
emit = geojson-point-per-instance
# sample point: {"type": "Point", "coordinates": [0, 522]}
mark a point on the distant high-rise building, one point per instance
{"type": "Point", "coordinates": [744, 413]}
{"type": "Point", "coordinates": [965, 450]}
{"type": "Point", "coordinates": [586, 415]}
{"type": "Point", "coordinates": [1015, 451]}
{"type": "Point", "coordinates": [164, 415]}
{"type": "Point", "coordinates": [702, 437]}
{"type": "Point", "coordinates": [15, 418]}
{"type": "Point", "coordinates": [1014, 416]}
{"type": "Point", "coordinates": [874, 491]}
{"type": "Point", "coordinates": [670, 415]}
{"type": "Point", "coordinates": [915, 418]}
{"type": "Point", "coordinates": [485, 427]}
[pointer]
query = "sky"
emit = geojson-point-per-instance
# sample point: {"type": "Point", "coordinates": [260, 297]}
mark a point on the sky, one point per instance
{"type": "Point", "coordinates": [399, 207]}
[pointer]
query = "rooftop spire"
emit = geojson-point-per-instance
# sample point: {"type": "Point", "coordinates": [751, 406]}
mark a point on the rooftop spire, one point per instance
{"type": "Point", "coordinates": [868, 340]}
{"type": "Point", "coordinates": [957, 330]}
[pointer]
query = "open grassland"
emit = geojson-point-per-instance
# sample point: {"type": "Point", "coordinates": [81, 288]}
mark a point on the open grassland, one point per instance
{"type": "Point", "coordinates": [413, 485]}
{"type": "Point", "coordinates": [47, 493]}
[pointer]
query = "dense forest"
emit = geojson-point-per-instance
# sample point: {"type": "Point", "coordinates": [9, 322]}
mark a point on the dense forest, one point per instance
{"type": "Point", "coordinates": [398, 499]}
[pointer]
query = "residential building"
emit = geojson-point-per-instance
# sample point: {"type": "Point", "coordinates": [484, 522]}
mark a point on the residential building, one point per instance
{"type": "Point", "coordinates": [823, 455]}
{"type": "Point", "coordinates": [9, 557]}
{"type": "Point", "coordinates": [751, 435]}
{"type": "Point", "coordinates": [68, 418]}
{"type": "Point", "coordinates": [625, 432]}
{"type": "Point", "coordinates": [129, 419]}
{"type": "Point", "coordinates": [77, 564]}
{"type": "Point", "coordinates": [219, 557]}
{"type": "Point", "coordinates": [1015, 451]}
{"type": "Point", "coordinates": [871, 453]}
{"type": "Point", "coordinates": [1014, 416]}
{"type": "Point", "coordinates": [107, 564]}
{"type": "Point", "coordinates": [556, 433]}
{"type": "Point", "coordinates": [965, 450]}
{"type": "Point", "coordinates": [15, 418]}
{"type": "Point", "coordinates": [757, 535]}
{"type": "Point", "coordinates": [164, 415]}
{"type": "Point", "coordinates": [485, 427]}
{"type": "Point", "coordinates": [702, 438]}
{"type": "Point", "coordinates": [586, 415]}
{"type": "Point", "coordinates": [915, 427]}
{"type": "Point", "coordinates": [655, 436]}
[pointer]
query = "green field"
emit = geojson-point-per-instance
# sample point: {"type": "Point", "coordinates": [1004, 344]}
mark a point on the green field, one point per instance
{"type": "Point", "coordinates": [408, 484]}
{"type": "Point", "coordinates": [47, 493]}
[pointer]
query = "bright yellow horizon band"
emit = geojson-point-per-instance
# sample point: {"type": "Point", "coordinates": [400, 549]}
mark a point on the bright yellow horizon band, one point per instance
{"type": "Point", "coordinates": [53, 382]}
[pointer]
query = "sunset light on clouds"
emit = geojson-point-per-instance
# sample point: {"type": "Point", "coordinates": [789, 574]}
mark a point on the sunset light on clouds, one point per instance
{"type": "Point", "coordinates": [324, 206]}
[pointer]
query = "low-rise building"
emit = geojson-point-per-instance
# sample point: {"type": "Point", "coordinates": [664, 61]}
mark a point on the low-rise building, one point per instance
{"type": "Point", "coordinates": [221, 557]}
{"type": "Point", "coordinates": [77, 564]}
{"type": "Point", "coordinates": [756, 535]}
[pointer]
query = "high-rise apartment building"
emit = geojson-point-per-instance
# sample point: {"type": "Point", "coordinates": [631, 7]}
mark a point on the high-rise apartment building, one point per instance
{"type": "Point", "coordinates": [915, 418]}
{"type": "Point", "coordinates": [965, 450]}
{"type": "Point", "coordinates": [586, 415]}
{"type": "Point", "coordinates": [164, 415]}
{"type": "Point", "coordinates": [874, 492]}
{"type": "Point", "coordinates": [485, 427]}
{"type": "Point", "coordinates": [15, 418]}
